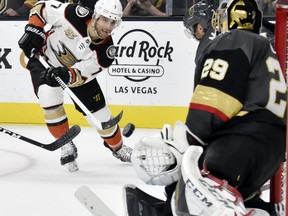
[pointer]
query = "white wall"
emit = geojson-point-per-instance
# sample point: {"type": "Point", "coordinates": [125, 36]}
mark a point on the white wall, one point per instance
{"type": "Point", "coordinates": [160, 47]}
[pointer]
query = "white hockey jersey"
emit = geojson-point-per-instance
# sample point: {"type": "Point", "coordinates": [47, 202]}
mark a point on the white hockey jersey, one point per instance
{"type": "Point", "coordinates": [68, 43]}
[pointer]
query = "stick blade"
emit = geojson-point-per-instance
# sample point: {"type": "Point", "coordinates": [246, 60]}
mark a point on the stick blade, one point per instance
{"type": "Point", "coordinates": [137, 202]}
{"type": "Point", "coordinates": [112, 122]}
{"type": "Point", "coordinates": [92, 202]}
{"type": "Point", "coordinates": [65, 138]}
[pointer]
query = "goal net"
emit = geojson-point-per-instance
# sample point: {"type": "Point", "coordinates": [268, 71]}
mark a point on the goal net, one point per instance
{"type": "Point", "coordinates": [278, 185]}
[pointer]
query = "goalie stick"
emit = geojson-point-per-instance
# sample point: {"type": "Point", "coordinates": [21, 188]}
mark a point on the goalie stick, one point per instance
{"type": "Point", "coordinates": [64, 139]}
{"type": "Point", "coordinates": [139, 203]}
{"type": "Point", "coordinates": [136, 202]}
{"type": "Point", "coordinates": [98, 124]}
{"type": "Point", "coordinates": [92, 202]}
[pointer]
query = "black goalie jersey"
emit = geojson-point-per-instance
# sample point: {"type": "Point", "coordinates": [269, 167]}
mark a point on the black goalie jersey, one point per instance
{"type": "Point", "coordinates": [237, 74]}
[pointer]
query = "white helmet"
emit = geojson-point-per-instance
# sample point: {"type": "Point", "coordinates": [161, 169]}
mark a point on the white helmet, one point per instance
{"type": "Point", "coordinates": [111, 9]}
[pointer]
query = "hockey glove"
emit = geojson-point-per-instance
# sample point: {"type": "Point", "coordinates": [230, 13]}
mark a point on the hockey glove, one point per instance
{"type": "Point", "coordinates": [32, 40]}
{"type": "Point", "coordinates": [62, 72]}
{"type": "Point", "coordinates": [37, 71]}
{"type": "Point", "coordinates": [157, 160]}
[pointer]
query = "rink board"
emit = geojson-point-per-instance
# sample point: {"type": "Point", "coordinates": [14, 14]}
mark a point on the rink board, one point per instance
{"type": "Point", "coordinates": [151, 79]}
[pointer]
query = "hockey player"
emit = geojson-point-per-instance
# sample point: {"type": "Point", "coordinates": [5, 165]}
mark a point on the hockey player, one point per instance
{"type": "Point", "coordinates": [197, 20]}
{"type": "Point", "coordinates": [233, 140]}
{"type": "Point", "coordinates": [197, 23]}
{"type": "Point", "coordinates": [78, 46]}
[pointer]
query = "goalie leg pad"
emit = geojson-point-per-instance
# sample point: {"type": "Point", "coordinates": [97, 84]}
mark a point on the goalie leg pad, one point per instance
{"type": "Point", "coordinates": [202, 194]}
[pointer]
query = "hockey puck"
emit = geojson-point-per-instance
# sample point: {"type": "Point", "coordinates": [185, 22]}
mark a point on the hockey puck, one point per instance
{"type": "Point", "coordinates": [128, 130]}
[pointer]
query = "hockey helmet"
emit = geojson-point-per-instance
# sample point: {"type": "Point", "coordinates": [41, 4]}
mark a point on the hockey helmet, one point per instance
{"type": "Point", "coordinates": [111, 9]}
{"type": "Point", "coordinates": [237, 14]}
{"type": "Point", "coordinates": [199, 13]}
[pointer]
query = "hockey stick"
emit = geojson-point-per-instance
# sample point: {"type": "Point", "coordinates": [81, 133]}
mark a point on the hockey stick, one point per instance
{"type": "Point", "coordinates": [100, 125]}
{"type": "Point", "coordinates": [136, 202]}
{"type": "Point", "coordinates": [64, 139]}
{"type": "Point", "coordinates": [92, 202]}
{"type": "Point", "coordinates": [139, 203]}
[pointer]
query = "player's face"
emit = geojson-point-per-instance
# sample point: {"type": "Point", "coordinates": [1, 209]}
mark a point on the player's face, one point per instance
{"type": "Point", "coordinates": [199, 32]}
{"type": "Point", "coordinates": [104, 26]}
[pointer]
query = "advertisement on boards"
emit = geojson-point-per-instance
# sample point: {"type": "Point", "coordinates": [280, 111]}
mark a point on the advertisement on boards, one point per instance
{"type": "Point", "coordinates": [153, 71]}
{"type": "Point", "coordinates": [154, 65]}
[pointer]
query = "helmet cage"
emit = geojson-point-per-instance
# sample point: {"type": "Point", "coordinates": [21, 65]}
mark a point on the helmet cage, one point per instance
{"type": "Point", "coordinates": [219, 19]}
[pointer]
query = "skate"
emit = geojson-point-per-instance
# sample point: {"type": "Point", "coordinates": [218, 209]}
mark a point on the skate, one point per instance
{"type": "Point", "coordinates": [68, 156]}
{"type": "Point", "coordinates": [123, 154]}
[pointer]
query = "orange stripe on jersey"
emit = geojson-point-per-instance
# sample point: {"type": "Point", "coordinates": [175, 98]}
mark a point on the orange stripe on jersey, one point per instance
{"type": "Point", "coordinates": [76, 78]}
{"type": "Point", "coordinates": [88, 22]}
{"type": "Point", "coordinates": [210, 109]}
{"type": "Point", "coordinates": [35, 17]}
{"type": "Point", "coordinates": [58, 130]}
{"type": "Point", "coordinates": [115, 142]}
{"type": "Point", "coordinates": [73, 76]}
{"type": "Point", "coordinates": [215, 99]}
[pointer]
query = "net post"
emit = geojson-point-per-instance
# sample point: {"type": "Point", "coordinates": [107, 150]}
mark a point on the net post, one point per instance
{"type": "Point", "coordinates": [278, 184]}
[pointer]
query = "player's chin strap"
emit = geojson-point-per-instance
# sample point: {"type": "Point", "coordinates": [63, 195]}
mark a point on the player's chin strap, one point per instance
{"type": "Point", "coordinates": [200, 193]}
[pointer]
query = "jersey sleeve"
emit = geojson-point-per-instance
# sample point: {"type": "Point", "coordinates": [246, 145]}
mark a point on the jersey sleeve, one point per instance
{"type": "Point", "coordinates": [46, 12]}
{"type": "Point", "coordinates": [98, 59]}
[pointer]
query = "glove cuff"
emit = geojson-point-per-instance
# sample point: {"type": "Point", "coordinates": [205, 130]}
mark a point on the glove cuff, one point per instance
{"type": "Point", "coordinates": [36, 30]}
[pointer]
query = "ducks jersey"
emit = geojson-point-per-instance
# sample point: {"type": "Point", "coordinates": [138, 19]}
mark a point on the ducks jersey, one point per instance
{"type": "Point", "coordinates": [68, 43]}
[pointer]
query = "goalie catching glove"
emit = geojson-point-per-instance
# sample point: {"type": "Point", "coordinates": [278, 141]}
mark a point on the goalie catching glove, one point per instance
{"type": "Point", "coordinates": [32, 40]}
{"type": "Point", "coordinates": [157, 159]}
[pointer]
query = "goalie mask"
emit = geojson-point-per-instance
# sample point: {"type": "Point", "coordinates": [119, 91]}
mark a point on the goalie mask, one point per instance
{"type": "Point", "coordinates": [111, 9]}
{"type": "Point", "coordinates": [237, 14]}
{"type": "Point", "coordinates": [199, 13]}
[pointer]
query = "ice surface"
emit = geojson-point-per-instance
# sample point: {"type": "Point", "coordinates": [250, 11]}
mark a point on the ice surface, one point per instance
{"type": "Point", "coordinates": [33, 183]}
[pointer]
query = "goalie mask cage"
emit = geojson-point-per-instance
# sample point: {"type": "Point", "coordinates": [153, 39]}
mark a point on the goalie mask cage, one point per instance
{"type": "Point", "coordinates": [278, 184]}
